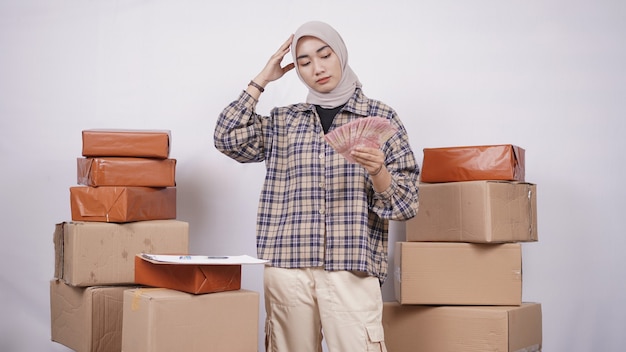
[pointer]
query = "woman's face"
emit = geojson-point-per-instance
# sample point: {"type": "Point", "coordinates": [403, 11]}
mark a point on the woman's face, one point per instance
{"type": "Point", "coordinates": [317, 64]}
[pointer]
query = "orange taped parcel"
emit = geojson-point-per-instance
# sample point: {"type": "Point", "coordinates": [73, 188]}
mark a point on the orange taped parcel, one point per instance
{"type": "Point", "coordinates": [131, 143]}
{"type": "Point", "coordinates": [474, 163]}
{"type": "Point", "coordinates": [191, 278]}
{"type": "Point", "coordinates": [125, 171]}
{"type": "Point", "coordinates": [122, 204]}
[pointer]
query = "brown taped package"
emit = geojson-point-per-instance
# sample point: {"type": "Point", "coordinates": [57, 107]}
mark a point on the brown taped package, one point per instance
{"type": "Point", "coordinates": [129, 143]}
{"type": "Point", "coordinates": [100, 253]}
{"type": "Point", "coordinates": [475, 211]}
{"type": "Point", "coordinates": [87, 319]}
{"type": "Point", "coordinates": [121, 171]}
{"type": "Point", "coordinates": [410, 328]}
{"type": "Point", "coordinates": [473, 163]}
{"type": "Point", "coordinates": [191, 278]}
{"type": "Point", "coordinates": [122, 204]}
{"type": "Point", "coordinates": [451, 273]}
{"type": "Point", "coordinates": [164, 320]}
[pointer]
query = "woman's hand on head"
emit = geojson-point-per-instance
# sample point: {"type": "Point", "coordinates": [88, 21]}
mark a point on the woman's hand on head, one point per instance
{"type": "Point", "coordinates": [273, 69]}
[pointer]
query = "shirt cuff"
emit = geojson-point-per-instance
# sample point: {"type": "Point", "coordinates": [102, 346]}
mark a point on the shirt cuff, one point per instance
{"type": "Point", "coordinates": [385, 195]}
{"type": "Point", "coordinates": [247, 100]}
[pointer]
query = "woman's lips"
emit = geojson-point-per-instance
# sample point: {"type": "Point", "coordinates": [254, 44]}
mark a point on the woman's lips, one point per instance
{"type": "Point", "coordinates": [323, 80]}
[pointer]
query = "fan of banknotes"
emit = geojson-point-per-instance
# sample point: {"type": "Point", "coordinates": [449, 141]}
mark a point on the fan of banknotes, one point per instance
{"type": "Point", "coordinates": [370, 131]}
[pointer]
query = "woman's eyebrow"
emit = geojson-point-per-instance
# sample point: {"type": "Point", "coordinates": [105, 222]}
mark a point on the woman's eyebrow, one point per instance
{"type": "Point", "coordinates": [317, 51]}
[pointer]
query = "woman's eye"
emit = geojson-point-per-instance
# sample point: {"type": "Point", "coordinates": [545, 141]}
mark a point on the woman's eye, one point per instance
{"type": "Point", "coordinates": [305, 63]}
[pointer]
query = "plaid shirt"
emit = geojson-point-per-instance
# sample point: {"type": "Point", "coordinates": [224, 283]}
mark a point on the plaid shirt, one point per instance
{"type": "Point", "coordinates": [317, 209]}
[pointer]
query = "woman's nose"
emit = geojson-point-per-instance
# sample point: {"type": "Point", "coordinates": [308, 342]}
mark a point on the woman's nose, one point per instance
{"type": "Point", "coordinates": [318, 67]}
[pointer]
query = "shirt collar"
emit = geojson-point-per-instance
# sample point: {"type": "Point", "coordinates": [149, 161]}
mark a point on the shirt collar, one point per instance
{"type": "Point", "coordinates": [357, 104]}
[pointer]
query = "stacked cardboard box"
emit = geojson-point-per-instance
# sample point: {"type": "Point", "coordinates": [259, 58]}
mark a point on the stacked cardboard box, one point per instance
{"type": "Point", "coordinates": [458, 276]}
{"type": "Point", "coordinates": [125, 206]}
{"type": "Point", "coordinates": [165, 320]}
{"type": "Point", "coordinates": [125, 176]}
{"type": "Point", "coordinates": [195, 307]}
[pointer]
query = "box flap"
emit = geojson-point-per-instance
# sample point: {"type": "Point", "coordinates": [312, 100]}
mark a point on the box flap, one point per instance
{"type": "Point", "coordinates": [525, 328]}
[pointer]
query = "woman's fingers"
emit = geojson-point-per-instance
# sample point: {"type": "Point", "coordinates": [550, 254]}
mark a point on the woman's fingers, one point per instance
{"type": "Point", "coordinates": [273, 69]}
{"type": "Point", "coordinates": [369, 158]}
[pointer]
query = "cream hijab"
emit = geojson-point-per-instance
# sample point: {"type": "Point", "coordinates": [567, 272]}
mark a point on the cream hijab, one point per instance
{"type": "Point", "coordinates": [349, 81]}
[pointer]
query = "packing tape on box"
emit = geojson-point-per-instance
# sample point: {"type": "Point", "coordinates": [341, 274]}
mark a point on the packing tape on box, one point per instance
{"type": "Point", "coordinates": [134, 306]}
{"type": "Point", "coordinates": [532, 348]}
{"type": "Point", "coordinates": [530, 212]}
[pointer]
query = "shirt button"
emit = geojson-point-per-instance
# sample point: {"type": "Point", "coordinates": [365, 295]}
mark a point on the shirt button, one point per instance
{"type": "Point", "coordinates": [322, 211]}
{"type": "Point", "coordinates": [321, 185]}
{"type": "Point", "coordinates": [321, 155]}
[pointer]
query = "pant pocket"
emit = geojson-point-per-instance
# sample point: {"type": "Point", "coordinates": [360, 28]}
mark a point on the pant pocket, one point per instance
{"type": "Point", "coordinates": [375, 338]}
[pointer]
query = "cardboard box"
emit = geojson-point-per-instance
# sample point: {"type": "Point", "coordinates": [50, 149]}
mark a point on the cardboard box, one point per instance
{"type": "Point", "coordinates": [99, 253]}
{"type": "Point", "coordinates": [126, 142]}
{"type": "Point", "coordinates": [163, 320]}
{"type": "Point", "coordinates": [449, 273]}
{"type": "Point", "coordinates": [122, 204]}
{"type": "Point", "coordinates": [475, 211]}
{"type": "Point", "coordinates": [473, 163]}
{"type": "Point", "coordinates": [192, 278]}
{"type": "Point", "coordinates": [119, 171]}
{"type": "Point", "coordinates": [87, 319]}
{"type": "Point", "coordinates": [462, 328]}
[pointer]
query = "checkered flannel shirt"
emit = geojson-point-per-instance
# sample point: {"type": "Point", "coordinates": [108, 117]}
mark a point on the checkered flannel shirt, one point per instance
{"type": "Point", "coordinates": [317, 209]}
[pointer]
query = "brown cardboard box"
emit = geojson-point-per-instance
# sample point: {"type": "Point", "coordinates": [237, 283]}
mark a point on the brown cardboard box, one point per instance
{"type": "Point", "coordinates": [99, 253]}
{"type": "Point", "coordinates": [87, 319]}
{"type": "Point", "coordinates": [131, 143]}
{"type": "Point", "coordinates": [473, 163]}
{"type": "Point", "coordinates": [122, 204]}
{"type": "Point", "coordinates": [119, 171]}
{"type": "Point", "coordinates": [475, 211]}
{"type": "Point", "coordinates": [462, 328]}
{"type": "Point", "coordinates": [450, 273]}
{"type": "Point", "coordinates": [192, 278]}
{"type": "Point", "coordinates": [163, 320]}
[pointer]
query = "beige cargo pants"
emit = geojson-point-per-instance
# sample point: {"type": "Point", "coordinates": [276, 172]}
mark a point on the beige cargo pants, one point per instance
{"type": "Point", "coordinates": [305, 305]}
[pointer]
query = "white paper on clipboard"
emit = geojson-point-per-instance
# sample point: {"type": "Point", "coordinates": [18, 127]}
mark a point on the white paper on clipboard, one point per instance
{"type": "Point", "coordinates": [202, 259]}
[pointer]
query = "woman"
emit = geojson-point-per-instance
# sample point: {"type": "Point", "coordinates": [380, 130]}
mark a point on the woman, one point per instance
{"type": "Point", "coordinates": [322, 221]}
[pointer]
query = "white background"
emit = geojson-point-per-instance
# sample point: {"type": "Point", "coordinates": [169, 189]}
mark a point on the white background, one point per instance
{"type": "Point", "coordinates": [548, 76]}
